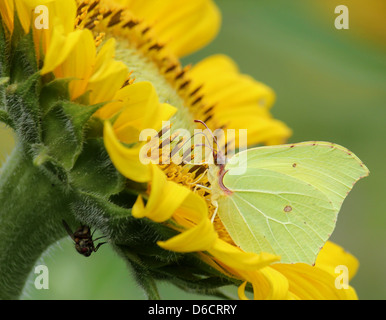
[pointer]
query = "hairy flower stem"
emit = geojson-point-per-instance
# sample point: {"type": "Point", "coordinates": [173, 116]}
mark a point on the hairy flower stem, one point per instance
{"type": "Point", "coordinates": [31, 211]}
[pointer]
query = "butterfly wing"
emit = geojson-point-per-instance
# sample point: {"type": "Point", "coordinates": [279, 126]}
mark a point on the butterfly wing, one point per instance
{"type": "Point", "coordinates": [287, 201]}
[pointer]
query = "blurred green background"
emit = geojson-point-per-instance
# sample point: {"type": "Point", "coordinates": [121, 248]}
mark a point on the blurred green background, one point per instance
{"type": "Point", "coordinates": [330, 85]}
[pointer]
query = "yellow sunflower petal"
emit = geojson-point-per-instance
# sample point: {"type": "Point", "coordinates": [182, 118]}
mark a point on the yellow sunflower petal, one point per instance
{"type": "Point", "coordinates": [185, 26]}
{"type": "Point", "coordinates": [239, 101]}
{"type": "Point", "coordinates": [234, 257]}
{"type": "Point", "coordinates": [309, 282]}
{"type": "Point", "coordinates": [65, 12]}
{"type": "Point", "coordinates": [109, 74]}
{"type": "Point", "coordinates": [71, 56]}
{"type": "Point", "coordinates": [118, 103]}
{"type": "Point", "coordinates": [332, 256]}
{"type": "Point", "coordinates": [261, 128]}
{"type": "Point", "coordinates": [79, 64]}
{"type": "Point", "coordinates": [126, 160]}
{"type": "Point", "coordinates": [164, 199]}
{"type": "Point", "coordinates": [7, 8]}
{"type": "Point", "coordinates": [199, 238]}
{"type": "Point", "coordinates": [60, 48]}
{"type": "Point", "coordinates": [142, 110]}
{"type": "Point", "coordinates": [25, 8]}
{"type": "Point", "coordinates": [260, 285]}
{"type": "Point", "coordinates": [200, 235]}
{"type": "Point", "coordinates": [166, 111]}
{"type": "Point", "coordinates": [61, 13]}
{"type": "Point", "coordinates": [141, 106]}
{"type": "Point", "coordinates": [267, 283]}
{"type": "Point", "coordinates": [227, 87]}
{"type": "Point", "coordinates": [24, 12]}
{"type": "Point", "coordinates": [278, 284]}
{"type": "Point", "coordinates": [241, 291]}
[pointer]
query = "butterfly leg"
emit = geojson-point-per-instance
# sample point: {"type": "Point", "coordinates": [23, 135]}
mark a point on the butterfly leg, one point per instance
{"type": "Point", "coordinates": [215, 210]}
{"type": "Point", "coordinates": [201, 186]}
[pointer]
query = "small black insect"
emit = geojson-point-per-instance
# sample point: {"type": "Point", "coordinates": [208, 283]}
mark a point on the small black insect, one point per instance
{"type": "Point", "coordinates": [82, 237]}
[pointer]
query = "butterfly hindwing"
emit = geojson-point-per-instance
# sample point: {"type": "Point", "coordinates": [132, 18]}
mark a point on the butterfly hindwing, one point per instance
{"type": "Point", "coordinates": [287, 201]}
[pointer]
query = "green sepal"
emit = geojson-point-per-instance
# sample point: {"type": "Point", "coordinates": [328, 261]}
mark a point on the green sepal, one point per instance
{"type": "Point", "coordinates": [52, 92]}
{"type": "Point", "coordinates": [22, 106]}
{"type": "Point", "coordinates": [4, 116]}
{"type": "Point", "coordinates": [95, 128]}
{"type": "Point", "coordinates": [49, 166]}
{"type": "Point", "coordinates": [4, 53]}
{"type": "Point", "coordinates": [94, 172]}
{"type": "Point", "coordinates": [189, 273]}
{"type": "Point", "coordinates": [84, 98]}
{"type": "Point", "coordinates": [23, 62]}
{"type": "Point", "coordinates": [146, 281]}
{"type": "Point", "coordinates": [63, 132]}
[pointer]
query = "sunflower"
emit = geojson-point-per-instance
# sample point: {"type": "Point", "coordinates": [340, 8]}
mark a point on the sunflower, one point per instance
{"type": "Point", "coordinates": [87, 88]}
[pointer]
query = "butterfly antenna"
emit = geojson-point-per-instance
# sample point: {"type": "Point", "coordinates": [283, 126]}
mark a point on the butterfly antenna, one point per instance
{"type": "Point", "coordinates": [204, 124]}
{"type": "Point", "coordinates": [203, 145]}
{"type": "Point", "coordinates": [190, 138]}
{"type": "Point", "coordinates": [218, 153]}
